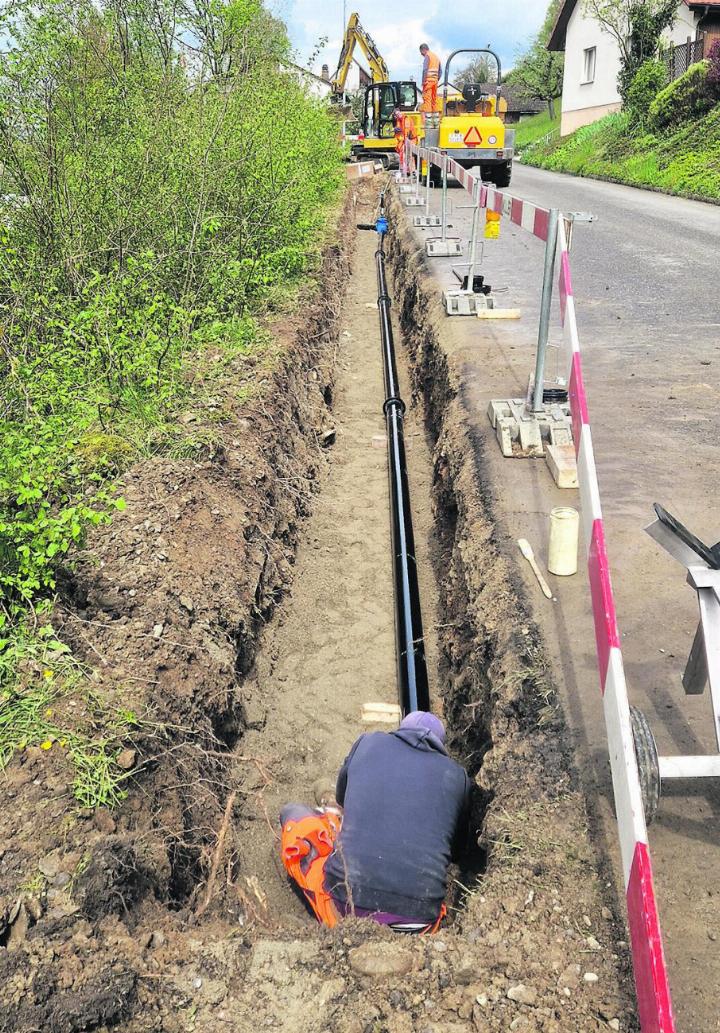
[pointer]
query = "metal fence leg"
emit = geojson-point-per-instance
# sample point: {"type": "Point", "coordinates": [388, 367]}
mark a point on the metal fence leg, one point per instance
{"type": "Point", "coordinates": [443, 212]}
{"type": "Point", "coordinates": [545, 304]}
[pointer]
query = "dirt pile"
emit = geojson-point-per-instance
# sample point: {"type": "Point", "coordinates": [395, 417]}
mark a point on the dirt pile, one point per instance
{"type": "Point", "coordinates": [166, 607]}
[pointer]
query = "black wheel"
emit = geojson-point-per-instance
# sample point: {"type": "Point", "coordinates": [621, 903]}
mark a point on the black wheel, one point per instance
{"type": "Point", "coordinates": [502, 174]}
{"type": "Point", "coordinates": [646, 756]}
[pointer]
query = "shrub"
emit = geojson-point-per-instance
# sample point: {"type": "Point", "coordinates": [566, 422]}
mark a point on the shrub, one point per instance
{"type": "Point", "coordinates": [714, 68]}
{"type": "Point", "coordinates": [688, 97]}
{"type": "Point", "coordinates": [155, 193]}
{"type": "Point", "coordinates": [650, 78]}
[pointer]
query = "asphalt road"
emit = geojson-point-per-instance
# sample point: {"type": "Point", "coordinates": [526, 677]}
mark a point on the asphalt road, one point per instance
{"type": "Point", "coordinates": [646, 276]}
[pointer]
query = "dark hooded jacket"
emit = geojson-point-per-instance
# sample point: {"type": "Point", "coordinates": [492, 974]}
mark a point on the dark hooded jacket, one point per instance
{"type": "Point", "coordinates": [406, 817]}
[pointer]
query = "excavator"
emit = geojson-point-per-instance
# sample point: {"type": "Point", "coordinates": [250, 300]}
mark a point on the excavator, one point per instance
{"type": "Point", "coordinates": [382, 98]}
{"type": "Point", "coordinates": [470, 129]}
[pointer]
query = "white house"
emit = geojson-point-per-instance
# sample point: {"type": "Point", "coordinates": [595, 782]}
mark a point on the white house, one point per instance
{"type": "Point", "coordinates": [592, 59]}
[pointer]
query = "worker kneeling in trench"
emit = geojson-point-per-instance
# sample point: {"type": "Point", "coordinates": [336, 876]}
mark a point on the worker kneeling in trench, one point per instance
{"type": "Point", "coordinates": [382, 851]}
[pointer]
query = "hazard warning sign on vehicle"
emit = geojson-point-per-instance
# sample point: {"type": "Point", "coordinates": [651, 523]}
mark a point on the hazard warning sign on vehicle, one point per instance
{"type": "Point", "coordinates": [473, 137]}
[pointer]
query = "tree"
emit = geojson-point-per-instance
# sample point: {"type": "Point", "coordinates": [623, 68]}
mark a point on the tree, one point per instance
{"type": "Point", "coordinates": [482, 69]}
{"type": "Point", "coordinates": [637, 27]}
{"type": "Point", "coordinates": [539, 72]}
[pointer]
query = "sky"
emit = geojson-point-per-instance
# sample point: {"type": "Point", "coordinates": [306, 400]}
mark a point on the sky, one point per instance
{"type": "Point", "coordinates": [400, 26]}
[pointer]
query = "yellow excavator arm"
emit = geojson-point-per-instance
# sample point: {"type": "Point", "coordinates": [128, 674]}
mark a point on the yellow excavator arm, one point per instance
{"type": "Point", "coordinates": [355, 35]}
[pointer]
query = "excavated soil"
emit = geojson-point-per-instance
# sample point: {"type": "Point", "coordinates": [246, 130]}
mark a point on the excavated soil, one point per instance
{"type": "Point", "coordinates": [247, 616]}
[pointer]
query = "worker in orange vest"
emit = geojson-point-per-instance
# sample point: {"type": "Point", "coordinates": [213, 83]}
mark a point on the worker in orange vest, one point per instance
{"type": "Point", "coordinates": [432, 69]}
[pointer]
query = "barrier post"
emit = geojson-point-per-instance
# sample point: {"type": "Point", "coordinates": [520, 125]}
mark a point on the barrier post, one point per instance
{"type": "Point", "coordinates": [545, 305]}
{"type": "Point", "coordinates": [427, 182]}
{"type": "Point", "coordinates": [443, 204]}
{"type": "Point", "coordinates": [473, 244]}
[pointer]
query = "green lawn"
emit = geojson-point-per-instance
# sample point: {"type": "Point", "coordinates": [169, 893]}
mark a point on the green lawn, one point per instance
{"type": "Point", "coordinates": [684, 160]}
{"type": "Point", "coordinates": [534, 128]}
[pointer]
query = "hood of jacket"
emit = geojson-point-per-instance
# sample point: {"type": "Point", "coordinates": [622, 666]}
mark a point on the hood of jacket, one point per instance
{"type": "Point", "coordinates": [420, 739]}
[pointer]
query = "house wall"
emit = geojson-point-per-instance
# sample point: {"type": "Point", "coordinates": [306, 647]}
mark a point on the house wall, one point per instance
{"type": "Point", "coordinates": [583, 103]}
{"type": "Point", "coordinates": [685, 25]}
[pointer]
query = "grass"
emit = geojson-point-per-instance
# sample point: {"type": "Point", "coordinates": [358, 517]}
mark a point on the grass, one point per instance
{"type": "Point", "coordinates": [37, 678]}
{"type": "Point", "coordinates": [684, 161]}
{"type": "Point", "coordinates": [530, 130]}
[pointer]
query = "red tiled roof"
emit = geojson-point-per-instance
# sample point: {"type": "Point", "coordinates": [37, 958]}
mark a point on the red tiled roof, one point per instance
{"type": "Point", "coordinates": [557, 36]}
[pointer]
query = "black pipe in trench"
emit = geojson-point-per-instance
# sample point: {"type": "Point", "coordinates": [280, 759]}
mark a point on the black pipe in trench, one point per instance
{"type": "Point", "coordinates": [409, 638]}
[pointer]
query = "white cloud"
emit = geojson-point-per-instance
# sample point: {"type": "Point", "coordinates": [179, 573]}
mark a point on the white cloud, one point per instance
{"type": "Point", "coordinates": [398, 28]}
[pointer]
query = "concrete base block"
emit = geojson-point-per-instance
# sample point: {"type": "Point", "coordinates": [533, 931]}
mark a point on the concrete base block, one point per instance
{"type": "Point", "coordinates": [528, 434]}
{"type": "Point", "coordinates": [443, 248]}
{"type": "Point", "coordinates": [414, 202]}
{"type": "Point", "coordinates": [530, 437]}
{"type": "Point", "coordinates": [407, 188]}
{"type": "Point", "coordinates": [426, 220]}
{"type": "Point", "coordinates": [465, 303]}
{"type": "Point", "coordinates": [562, 465]}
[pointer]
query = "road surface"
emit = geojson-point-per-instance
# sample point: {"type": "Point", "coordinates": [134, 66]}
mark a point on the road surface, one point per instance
{"type": "Point", "coordinates": [645, 280]}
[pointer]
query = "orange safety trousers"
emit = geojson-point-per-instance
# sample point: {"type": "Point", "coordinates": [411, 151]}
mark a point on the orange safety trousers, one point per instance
{"type": "Point", "coordinates": [430, 96]}
{"type": "Point", "coordinates": [305, 846]}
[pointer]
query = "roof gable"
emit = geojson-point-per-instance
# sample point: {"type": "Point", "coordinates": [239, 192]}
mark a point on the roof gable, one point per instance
{"type": "Point", "coordinates": [557, 36]}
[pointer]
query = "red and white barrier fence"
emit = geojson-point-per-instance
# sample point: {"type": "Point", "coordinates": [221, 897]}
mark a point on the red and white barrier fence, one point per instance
{"type": "Point", "coordinates": [651, 981]}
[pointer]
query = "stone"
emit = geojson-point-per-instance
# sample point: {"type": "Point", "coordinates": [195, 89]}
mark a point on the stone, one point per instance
{"type": "Point", "coordinates": [49, 866]}
{"type": "Point", "coordinates": [593, 944]}
{"type": "Point", "coordinates": [380, 959]}
{"type": "Point", "coordinates": [187, 603]}
{"type": "Point", "coordinates": [157, 939]}
{"type": "Point", "coordinates": [522, 994]}
{"type": "Point", "coordinates": [330, 990]}
{"type": "Point", "coordinates": [126, 759]}
{"type": "Point", "coordinates": [569, 977]}
{"type": "Point", "coordinates": [157, 631]}
{"type": "Point", "coordinates": [606, 913]}
{"type": "Point", "coordinates": [466, 972]}
{"type": "Point", "coordinates": [591, 977]}
{"type": "Point", "coordinates": [614, 1024]}
{"type": "Point", "coordinates": [104, 820]}
{"type": "Point", "coordinates": [61, 879]}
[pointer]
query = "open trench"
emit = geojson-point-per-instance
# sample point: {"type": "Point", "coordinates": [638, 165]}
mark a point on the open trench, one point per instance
{"type": "Point", "coordinates": [530, 943]}
{"type": "Point", "coordinates": [208, 934]}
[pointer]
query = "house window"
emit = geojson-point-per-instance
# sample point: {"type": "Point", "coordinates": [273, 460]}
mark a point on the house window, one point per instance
{"type": "Point", "coordinates": [589, 56]}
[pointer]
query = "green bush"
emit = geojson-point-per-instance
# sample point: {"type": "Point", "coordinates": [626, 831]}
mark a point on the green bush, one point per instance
{"type": "Point", "coordinates": [688, 97]}
{"type": "Point", "coordinates": [650, 78]}
{"type": "Point", "coordinates": [160, 181]}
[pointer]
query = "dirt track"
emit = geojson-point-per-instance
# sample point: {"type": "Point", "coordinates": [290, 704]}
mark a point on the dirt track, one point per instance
{"type": "Point", "coordinates": [177, 915]}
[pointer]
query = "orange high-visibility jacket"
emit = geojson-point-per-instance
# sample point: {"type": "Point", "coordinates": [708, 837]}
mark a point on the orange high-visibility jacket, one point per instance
{"type": "Point", "coordinates": [431, 68]}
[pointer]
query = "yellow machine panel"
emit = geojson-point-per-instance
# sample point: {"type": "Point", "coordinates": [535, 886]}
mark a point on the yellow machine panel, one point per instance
{"type": "Point", "coordinates": [465, 131]}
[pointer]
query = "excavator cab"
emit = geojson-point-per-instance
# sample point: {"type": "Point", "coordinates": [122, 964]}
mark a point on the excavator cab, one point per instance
{"type": "Point", "coordinates": [377, 139]}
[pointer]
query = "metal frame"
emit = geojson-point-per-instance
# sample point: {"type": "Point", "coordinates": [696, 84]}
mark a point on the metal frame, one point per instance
{"type": "Point", "coordinates": [443, 247]}
{"type": "Point", "coordinates": [427, 219]}
{"type": "Point", "coordinates": [472, 50]}
{"type": "Point", "coordinates": [464, 301]}
{"type": "Point", "coordinates": [702, 563]}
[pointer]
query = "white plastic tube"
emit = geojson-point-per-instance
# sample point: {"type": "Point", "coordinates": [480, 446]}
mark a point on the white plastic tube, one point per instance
{"type": "Point", "coordinates": [563, 548]}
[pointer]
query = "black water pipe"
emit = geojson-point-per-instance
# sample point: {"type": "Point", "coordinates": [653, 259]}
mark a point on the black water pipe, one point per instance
{"type": "Point", "coordinates": [409, 638]}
